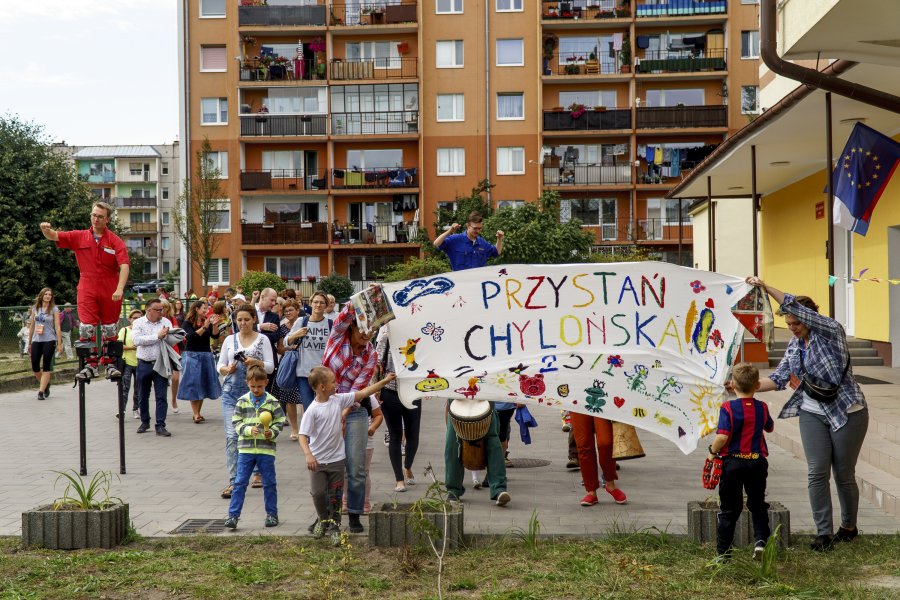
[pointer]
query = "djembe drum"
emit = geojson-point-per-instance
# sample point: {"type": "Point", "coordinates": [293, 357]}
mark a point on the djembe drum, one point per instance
{"type": "Point", "coordinates": [471, 420]}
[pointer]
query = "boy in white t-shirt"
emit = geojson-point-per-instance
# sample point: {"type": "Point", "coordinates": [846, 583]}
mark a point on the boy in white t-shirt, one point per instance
{"type": "Point", "coordinates": [322, 442]}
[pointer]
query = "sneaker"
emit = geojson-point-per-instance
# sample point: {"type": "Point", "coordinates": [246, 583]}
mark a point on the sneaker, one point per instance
{"type": "Point", "coordinates": [231, 522]}
{"type": "Point", "coordinates": [476, 484]}
{"type": "Point", "coordinates": [354, 525]}
{"type": "Point", "coordinates": [271, 520]}
{"type": "Point", "coordinates": [163, 432]}
{"type": "Point", "coordinates": [572, 463]}
{"type": "Point", "coordinates": [822, 543]}
{"type": "Point", "coordinates": [589, 500]}
{"type": "Point", "coordinates": [112, 373]}
{"type": "Point", "coordinates": [136, 414]}
{"type": "Point", "coordinates": [387, 438]}
{"type": "Point", "coordinates": [47, 391]}
{"type": "Point", "coordinates": [87, 373]}
{"type": "Point", "coordinates": [846, 535]}
{"type": "Point", "coordinates": [40, 395]}
{"type": "Point", "coordinates": [503, 499]}
{"type": "Point", "coordinates": [143, 428]}
{"type": "Point", "coordinates": [318, 530]}
{"type": "Point", "coordinates": [758, 550]}
{"type": "Point", "coordinates": [618, 495]}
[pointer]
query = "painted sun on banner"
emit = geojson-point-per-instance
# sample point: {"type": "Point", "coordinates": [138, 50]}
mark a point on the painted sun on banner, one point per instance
{"type": "Point", "coordinates": [650, 344]}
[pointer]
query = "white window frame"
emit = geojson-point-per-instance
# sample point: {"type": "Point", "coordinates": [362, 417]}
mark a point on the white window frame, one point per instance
{"type": "Point", "coordinates": [166, 243]}
{"type": "Point", "coordinates": [521, 43]}
{"type": "Point", "coordinates": [512, 4]}
{"type": "Point", "coordinates": [219, 47]}
{"type": "Point", "coordinates": [222, 267]}
{"type": "Point", "coordinates": [752, 45]}
{"type": "Point", "coordinates": [165, 168]}
{"type": "Point", "coordinates": [165, 193]}
{"type": "Point", "coordinates": [504, 94]}
{"type": "Point", "coordinates": [510, 204]}
{"type": "Point", "coordinates": [506, 154]}
{"type": "Point", "coordinates": [458, 106]}
{"type": "Point", "coordinates": [461, 57]}
{"type": "Point", "coordinates": [755, 111]}
{"type": "Point", "coordinates": [366, 52]}
{"type": "Point", "coordinates": [214, 15]}
{"type": "Point", "coordinates": [165, 217]}
{"type": "Point", "coordinates": [452, 11]}
{"type": "Point", "coordinates": [217, 123]}
{"type": "Point", "coordinates": [223, 205]}
{"type": "Point", "coordinates": [219, 160]}
{"type": "Point", "coordinates": [456, 157]}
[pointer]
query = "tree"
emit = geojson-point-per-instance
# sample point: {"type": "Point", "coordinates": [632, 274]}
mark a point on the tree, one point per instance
{"type": "Point", "coordinates": [197, 211]}
{"type": "Point", "coordinates": [337, 285]}
{"type": "Point", "coordinates": [258, 281]}
{"type": "Point", "coordinates": [416, 268]}
{"type": "Point", "coordinates": [36, 184]}
{"type": "Point", "coordinates": [535, 235]}
{"type": "Point", "coordinates": [463, 205]}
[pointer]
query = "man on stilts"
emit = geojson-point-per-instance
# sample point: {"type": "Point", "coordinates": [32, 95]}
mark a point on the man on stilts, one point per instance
{"type": "Point", "coordinates": [103, 265]}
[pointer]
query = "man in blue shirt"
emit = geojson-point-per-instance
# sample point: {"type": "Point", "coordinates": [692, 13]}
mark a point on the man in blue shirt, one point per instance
{"type": "Point", "coordinates": [468, 250]}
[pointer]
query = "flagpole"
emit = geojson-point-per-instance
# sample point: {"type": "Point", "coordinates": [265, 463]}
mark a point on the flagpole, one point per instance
{"type": "Point", "coordinates": [830, 203]}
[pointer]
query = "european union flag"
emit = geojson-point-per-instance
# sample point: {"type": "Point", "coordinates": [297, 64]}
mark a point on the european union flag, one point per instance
{"type": "Point", "coordinates": [860, 176]}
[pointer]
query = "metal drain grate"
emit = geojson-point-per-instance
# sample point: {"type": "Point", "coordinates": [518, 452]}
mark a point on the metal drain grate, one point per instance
{"type": "Point", "coordinates": [201, 526]}
{"type": "Point", "coordinates": [527, 463]}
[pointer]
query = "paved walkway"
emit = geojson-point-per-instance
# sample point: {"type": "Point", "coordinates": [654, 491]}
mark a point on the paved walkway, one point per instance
{"type": "Point", "coordinates": [171, 480]}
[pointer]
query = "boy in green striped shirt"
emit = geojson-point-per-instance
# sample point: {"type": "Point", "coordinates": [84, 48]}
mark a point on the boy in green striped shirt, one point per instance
{"type": "Point", "coordinates": [258, 420]}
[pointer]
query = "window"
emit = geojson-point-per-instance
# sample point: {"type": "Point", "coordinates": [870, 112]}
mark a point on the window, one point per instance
{"type": "Point", "coordinates": [374, 159]}
{"type": "Point", "coordinates": [749, 44]}
{"type": "Point", "coordinates": [214, 111]}
{"type": "Point", "coordinates": [451, 161]}
{"type": "Point", "coordinates": [218, 271]}
{"type": "Point", "coordinates": [445, 211]}
{"type": "Point", "coordinates": [576, 50]}
{"type": "Point", "coordinates": [165, 217]}
{"type": "Point", "coordinates": [509, 5]}
{"type": "Point", "coordinates": [135, 169]}
{"type": "Point", "coordinates": [750, 99]}
{"type": "Point", "coordinates": [293, 266]}
{"type": "Point", "coordinates": [292, 212]}
{"type": "Point", "coordinates": [749, 1]}
{"type": "Point", "coordinates": [296, 101]}
{"type": "Point", "coordinates": [166, 266]}
{"type": "Point", "coordinates": [661, 211]}
{"type": "Point", "coordinates": [510, 53]}
{"type": "Point", "coordinates": [166, 243]}
{"type": "Point", "coordinates": [589, 98]}
{"type": "Point", "coordinates": [165, 168]}
{"type": "Point", "coordinates": [385, 55]}
{"type": "Point", "coordinates": [165, 193]}
{"type": "Point", "coordinates": [685, 97]}
{"type": "Point", "coordinates": [450, 54]}
{"type": "Point", "coordinates": [213, 59]}
{"type": "Point", "coordinates": [139, 193]}
{"type": "Point", "coordinates": [382, 98]}
{"type": "Point", "coordinates": [510, 204]}
{"type": "Point", "coordinates": [511, 161]}
{"type": "Point", "coordinates": [223, 217]}
{"type": "Point", "coordinates": [138, 217]}
{"type": "Point", "coordinates": [212, 9]}
{"type": "Point", "coordinates": [511, 107]}
{"type": "Point", "coordinates": [283, 163]}
{"type": "Point", "coordinates": [361, 268]}
{"type": "Point", "coordinates": [218, 160]}
{"type": "Point", "coordinates": [451, 107]}
{"type": "Point", "coordinates": [448, 7]}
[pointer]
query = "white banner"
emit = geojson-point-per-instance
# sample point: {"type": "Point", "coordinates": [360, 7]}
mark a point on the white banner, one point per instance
{"type": "Point", "coordinates": [650, 344]}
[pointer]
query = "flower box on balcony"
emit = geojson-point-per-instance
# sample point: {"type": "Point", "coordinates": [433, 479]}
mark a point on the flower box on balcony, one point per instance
{"type": "Point", "coordinates": [403, 48]}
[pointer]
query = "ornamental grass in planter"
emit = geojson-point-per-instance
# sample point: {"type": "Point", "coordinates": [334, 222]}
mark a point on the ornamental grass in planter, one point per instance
{"type": "Point", "coordinates": [86, 516]}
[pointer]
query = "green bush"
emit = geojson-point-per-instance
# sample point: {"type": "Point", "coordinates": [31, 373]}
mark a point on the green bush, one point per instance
{"type": "Point", "coordinates": [337, 285]}
{"type": "Point", "coordinates": [259, 280]}
{"type": "Point", "coordinates": [414, 268]}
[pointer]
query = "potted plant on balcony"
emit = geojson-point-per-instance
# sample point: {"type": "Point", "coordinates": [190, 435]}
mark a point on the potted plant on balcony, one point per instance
{"type": "Point", "coordinates": [625, 55]}
{"type": "Point", "coordinates": [576, 110]}
{"type": "Point", "coordinates": [549, 44]}
{"type": "Point", "coordinates": [572, 65]}
{"type": "Point", "coordinates": [297, 279]}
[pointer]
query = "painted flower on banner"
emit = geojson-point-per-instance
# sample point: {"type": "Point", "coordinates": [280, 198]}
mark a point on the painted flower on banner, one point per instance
{"type": "Point", "coordinates": [614, 361]}
{"type": "Point", "coordinates": [697, 286]}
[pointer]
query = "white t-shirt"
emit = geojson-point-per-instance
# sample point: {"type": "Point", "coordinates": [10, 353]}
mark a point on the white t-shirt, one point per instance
{"type": "Point", "coordinates": [322, 425]}
{"type": "Point", "coordinates": [312, 345]}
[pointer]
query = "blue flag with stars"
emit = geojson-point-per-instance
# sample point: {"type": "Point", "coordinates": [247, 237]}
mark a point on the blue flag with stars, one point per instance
{"type": "Point", "coordinates": [860, 176]}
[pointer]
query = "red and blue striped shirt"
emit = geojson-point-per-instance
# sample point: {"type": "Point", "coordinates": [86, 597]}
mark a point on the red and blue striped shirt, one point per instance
{"type": "Point", "coordinates": [743, 420]}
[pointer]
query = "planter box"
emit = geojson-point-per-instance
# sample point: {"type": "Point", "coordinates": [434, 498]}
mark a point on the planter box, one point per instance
{"type": "Point", "coordinates": [390, 527]}
{"type": "Point", "coordinates": [72, 529]}
{"type": "Point", "coordinates": [702, 523]}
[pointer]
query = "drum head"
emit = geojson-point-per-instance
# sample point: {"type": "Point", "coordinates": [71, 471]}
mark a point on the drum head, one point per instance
{"type": "Point", "coordinates": [469, 409]}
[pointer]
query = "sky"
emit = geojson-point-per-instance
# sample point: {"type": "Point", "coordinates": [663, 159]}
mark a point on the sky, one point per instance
{"type": "Point", "coordinates": [92, 72]}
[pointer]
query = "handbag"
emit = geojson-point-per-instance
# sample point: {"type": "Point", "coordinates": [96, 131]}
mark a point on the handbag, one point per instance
{"type": "Point", "coordinates": [712, 472]}
{"type": "Point", "coordinates": [287, 370]}
{"type": "Point", "coordinates": [818, 389]}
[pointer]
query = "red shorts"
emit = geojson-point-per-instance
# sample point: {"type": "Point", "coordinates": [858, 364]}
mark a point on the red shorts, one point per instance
{"type": "Point", "coordinates": [95, 303]}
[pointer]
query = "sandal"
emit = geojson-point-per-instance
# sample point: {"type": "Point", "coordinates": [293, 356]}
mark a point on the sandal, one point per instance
{"type": "Point", "coordinates": [199, 419]}
{"type": "Point", "coordinates": [256, 482]}
{"type": "Point", "coordinates": [226, 493]}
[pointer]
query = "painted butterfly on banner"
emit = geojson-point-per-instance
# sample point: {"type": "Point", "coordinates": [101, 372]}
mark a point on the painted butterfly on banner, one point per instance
{"type": "Point", "coordinates": [433, 330]}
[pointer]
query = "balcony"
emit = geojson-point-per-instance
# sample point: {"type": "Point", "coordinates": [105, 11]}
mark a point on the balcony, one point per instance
{"type": "Point", "coordinates": [580, 174]}
{"type": "Point", "coordinates": [294, 70]}
{"type": "Point", "coordinates": [681, 117]}
{"type": "Point", "coordinates": [281, 15]}
{"type": "Point", "coordinates": [282, 125]}
{"type": "Point", "coordinates": [374, 232]}
{"type": "Point", "coordinates": [145, 251]}
{"type": "Point", "coordinates": [260, 234]}
{"type": "Point", "coordinates": [590, 120]}
{"type": "Point", "coordinates": [379, 13]}
{"type": "Point", "coordinates": [624, 230]}
{"type": "Point", "coordinates": [358, 179]}
{"type": "Point", "coordinates": [589, 9]}
{"type": "Point", "coordinates": [579, 64]}
{"type": "Point", "coordinates": [135, 202]}
{"type": "Point", "coordinates": [285, 180]}
{"type": "Point", "coordinates": [680, 61]}
{"type": "Point", "coordinates": [376, 68]}
{"type": "Point", "coordinates": [97, 178]}
{"type": "Point", "coordinates": [141, 228]}
{"type": "Point", "coordinates": [682, 8]}
{"type": "Point", "coordinates": [663, 230]}
{"type": "Point", "coordinates": [375, 123]}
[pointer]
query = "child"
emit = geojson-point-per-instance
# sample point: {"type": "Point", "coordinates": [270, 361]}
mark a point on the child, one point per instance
{"type": "Point", "coordinates": [256, 445]}
{"type": "Point", "coordinates": [323, 445]}
{"type": "Point", "coordinates": [742, 445]}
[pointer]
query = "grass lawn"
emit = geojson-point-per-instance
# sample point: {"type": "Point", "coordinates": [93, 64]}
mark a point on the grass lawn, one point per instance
{"type": "Point", "coordinates": [638, 566]}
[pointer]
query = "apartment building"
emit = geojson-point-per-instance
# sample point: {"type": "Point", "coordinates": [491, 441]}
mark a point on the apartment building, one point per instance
{"type": "Point", "coordinates": [340, 128]}
{"type": "Point", "coordinates": [142, 184]}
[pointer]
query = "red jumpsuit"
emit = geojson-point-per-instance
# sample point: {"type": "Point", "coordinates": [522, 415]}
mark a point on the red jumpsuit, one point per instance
{"type": "Point", "coordinates": [98, 263]}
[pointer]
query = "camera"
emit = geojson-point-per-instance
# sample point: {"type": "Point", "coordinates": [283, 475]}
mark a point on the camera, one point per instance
{"type": "Point", "coordinates": [240, 356]}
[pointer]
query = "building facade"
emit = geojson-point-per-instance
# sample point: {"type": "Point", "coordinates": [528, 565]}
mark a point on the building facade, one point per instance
{"type": "Point", "coordinates": [340, 128]}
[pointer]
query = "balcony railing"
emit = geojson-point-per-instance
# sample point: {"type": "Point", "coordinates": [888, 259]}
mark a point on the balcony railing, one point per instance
{"type": "Point", "coordinates": [281, 125]}
{"type": "Point", "coordinates": [283, 180]}
{"type": "Point", "coordinates": [680, 61]}
{"type": "Point", "coordinates": [677, 117]}
{"type": "Point", "coordinates": [375, 68]}
{"type": "Point", "coordinates": [578, 174]}
{"type": "Point", "coordinates": [373, 13]}
{"type": "Point", "coordinates": [141, 227]}
{"type": "Point", "coordinates": [682, 8]}
{"type": "Point", "coordinates": [581, 64]}
{"type": "Point", "coordinates": [99, 178]}
{"type": "Point", "coordinates": [135, 202]}
{"type": "Point", "coordinates": [284, 233]}
{"type": "Point", "coordinates": [281, 15]}
{"type": "Point", "coordinates": [401, 121]}
{"type": "Point", "coordinates": [589, 120]}
{"type": "Point", "coordinates": [663, 230]}
{"type": "Point", "coordinates": [145, 251]}
{"type": "Point", "coordinates": [374, 178]}
{"type": "Point", "coordinates": [373, 232]}
{"type": "Point", "coordinates": [584, 9]}
{"type": "Point", "coordinates": [306, 69]}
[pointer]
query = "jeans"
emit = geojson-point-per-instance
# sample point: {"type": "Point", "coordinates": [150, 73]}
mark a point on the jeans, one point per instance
{"type": "Point", "coordinates": [738, 475]}
{"type": "Point", "coordinates": [245, 465]}
{"type": "Point", "coordinates": [837, 451]}
{"type": "Point", "coordinates": [146, 377]}
{"type": "Point", "coordinates": [356, 434]}
{"type": "Point", "coordinates": [67, 344]}
{"type": "Point", "coordinates": [307, 395]}
{"type": "Point", "coordinates": [235, 387]}
{"type": "Point", "coordinates": [128, 374]}
{"type": "Point", "coordinates": [400, 419]}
